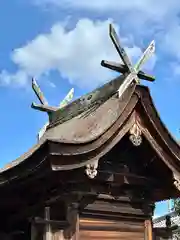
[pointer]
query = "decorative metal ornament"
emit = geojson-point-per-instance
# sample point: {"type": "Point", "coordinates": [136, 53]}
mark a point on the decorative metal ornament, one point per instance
{"type": "Point", "coordinates": [135, 135]}
{"type": "Point", "coordinates": [176, 181]}
{"type": "Point", "coordinates": [91, 169]}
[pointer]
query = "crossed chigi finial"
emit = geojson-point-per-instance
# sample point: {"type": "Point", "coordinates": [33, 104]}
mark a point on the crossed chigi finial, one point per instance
{"type": "Point", "coordinates": [133, 72]}
{"type": "Point", "coordinates": [44, 104]}
{"type": "Point", "coordinates": [44, 107]}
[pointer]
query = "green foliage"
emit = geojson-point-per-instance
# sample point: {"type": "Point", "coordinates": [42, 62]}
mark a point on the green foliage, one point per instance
{"type": "Point", "coordinates": [176, 206]}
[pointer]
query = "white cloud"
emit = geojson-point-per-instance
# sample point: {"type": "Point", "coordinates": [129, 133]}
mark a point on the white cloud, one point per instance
{"type": "Point", "coordinates": [76, 54]}
{"type": "Point", "coordinates": [148, 7]}
{"type": "Point", "coordinates": [171, 40]}
{"type": "Point", "coordinates": [170, 46]}
{"type": "Point", "coordinates": [144, 18]}
{"type": "Point", "coordinates": [20, 78]}
{"type": "Point", "coordinates": [174, 67]}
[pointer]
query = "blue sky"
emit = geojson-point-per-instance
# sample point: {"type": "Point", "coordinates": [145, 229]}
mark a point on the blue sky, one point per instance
{"type": "Point", "coordinates": [61, 43]}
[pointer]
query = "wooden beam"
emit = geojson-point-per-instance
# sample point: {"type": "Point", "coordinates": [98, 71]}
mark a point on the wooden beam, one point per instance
{"type": "Point", "coordinates": [124, 178]}
{"type": "Point", "coordinates": [123, 69]}
{"type": "Point", "coordinates": [54, 190]}
{"type": "Point", "coordinates": [44, 108]}
{"type": "Point", "coordinates": [58, 223]}
{"type": "Point", "coordinates": [109, 177]}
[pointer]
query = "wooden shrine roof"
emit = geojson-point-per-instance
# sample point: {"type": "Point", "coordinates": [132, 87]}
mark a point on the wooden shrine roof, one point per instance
{"type": "Point", "coordinates": [91, 125]}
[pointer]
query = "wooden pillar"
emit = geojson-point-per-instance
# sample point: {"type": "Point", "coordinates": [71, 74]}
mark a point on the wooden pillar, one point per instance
{"type": "Point", "coordinates": [47, 232]}
{"type": "Point", "coordinates": [72, 232]}
{"type": "Point", "coordinates": [148, 230]}
{"type": "Point", "coordinates": [48, 228]}
{"type": "Point", "coordinates": [33, 231]}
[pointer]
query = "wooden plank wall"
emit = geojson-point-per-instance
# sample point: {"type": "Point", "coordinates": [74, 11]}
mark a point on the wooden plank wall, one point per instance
{"type": "Point", "coordinates": [99, 229]}
{"type": "Point", "coordinates": [105, 219]}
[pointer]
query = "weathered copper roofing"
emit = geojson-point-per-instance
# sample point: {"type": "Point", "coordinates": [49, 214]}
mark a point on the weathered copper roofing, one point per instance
{"type": "Point", "coordinates": [90, 126]}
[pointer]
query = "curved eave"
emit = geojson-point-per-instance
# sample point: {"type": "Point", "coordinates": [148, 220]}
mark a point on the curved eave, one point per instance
{"type": "Point", "coordinates": [135, 105]}
{"type": "Point", "coordinates": [165, 141]}
{"type": "Point", "coordinates": [23, 157]}
{"type": "Point", "coordinates": [52, 135]}
{"type": "Point", "coordinates": [27, 164]}
{"type": "Point", "coordinates": [151, 126]}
